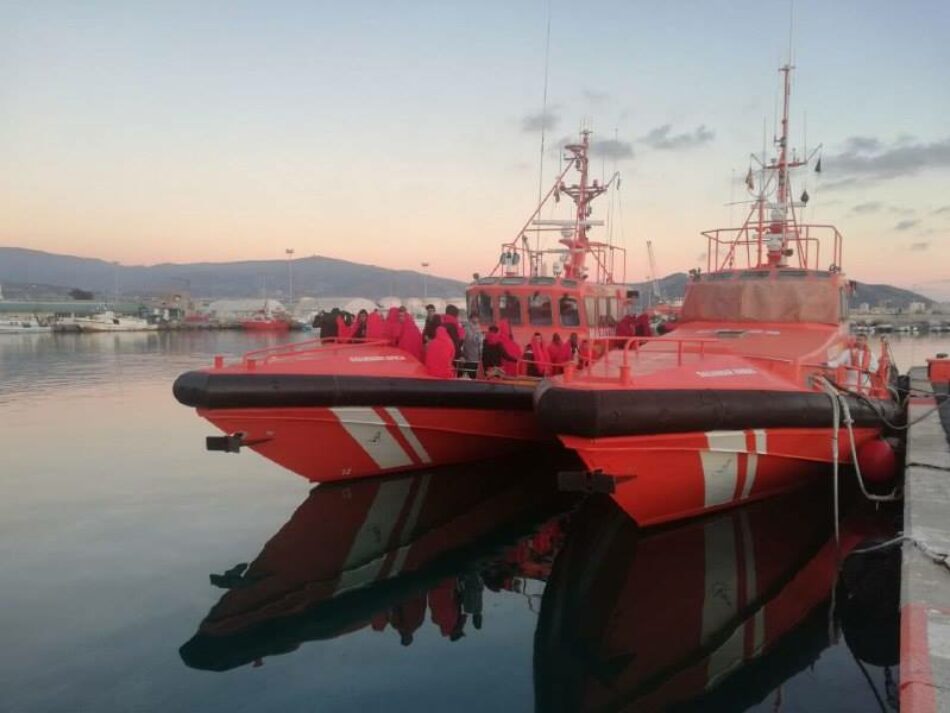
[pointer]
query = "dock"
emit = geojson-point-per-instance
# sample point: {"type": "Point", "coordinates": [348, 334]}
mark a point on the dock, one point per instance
{"type": "Point", "coordinates": [925, 568]}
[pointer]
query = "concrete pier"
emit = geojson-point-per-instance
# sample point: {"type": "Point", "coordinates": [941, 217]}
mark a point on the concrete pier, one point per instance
{"type": "Point", "coordinates": [925, 569]}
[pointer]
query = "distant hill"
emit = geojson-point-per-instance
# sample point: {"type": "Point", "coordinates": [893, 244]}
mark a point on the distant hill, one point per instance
{"type": "Point", "coordinates": [674, 286]}
{"type": "Point", "coordinates": [33, 273]}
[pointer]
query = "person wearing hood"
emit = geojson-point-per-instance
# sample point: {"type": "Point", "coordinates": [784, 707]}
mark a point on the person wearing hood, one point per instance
{"type": "Point", "coordinates": [440, 355]}
{"type": "Point", "coordinates": [410, 338]}
{"type": "Point", "coordinates": [559, 352]}
{"type": "Point", "coordinates": [512, 352]}
{"type": "Point", "coordinates": [493, 353]}
{"type": "Point", "coordinates": [627, 327]}
{"type": "Point", "coordinates": [644, 328]}
{"type": "Point", "coordinates": [450, 320]}
{"type": "Point", "coordinates": [393, 326]}
{"type": "Point", "coordinates": [375, 326]}
{"type": "Point", "coordinates": [537, 362]}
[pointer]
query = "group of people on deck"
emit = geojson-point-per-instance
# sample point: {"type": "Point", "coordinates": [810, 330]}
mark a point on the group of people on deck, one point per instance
{"type": "Point", "coordinates": [450, 349]}
{"type": "Point", "coordinates": [398, 328]}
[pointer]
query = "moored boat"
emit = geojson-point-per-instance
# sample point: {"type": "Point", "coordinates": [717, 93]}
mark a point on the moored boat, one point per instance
{"type": "Point", "coordinates": [344, 407]}
{"type": "Point", "coordinates": [28, 325]}
{"type": "Point", "coordinates": [739, 402]}
{"type": "Point", "coordinates": [107, 321]}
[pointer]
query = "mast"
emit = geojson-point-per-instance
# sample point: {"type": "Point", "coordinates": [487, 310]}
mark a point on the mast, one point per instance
{"type": "Point", "coordinates": [582, 194]}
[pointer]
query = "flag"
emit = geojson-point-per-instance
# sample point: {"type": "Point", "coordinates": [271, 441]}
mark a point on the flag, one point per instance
{"type": "Point", "coordinates": [748, 180]}
{"type": "Point", "coordinates": [818, 165]}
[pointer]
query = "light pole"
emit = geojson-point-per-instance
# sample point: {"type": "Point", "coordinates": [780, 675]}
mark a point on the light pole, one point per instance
{"type": "Point", "coordinates": [290, 277]}
{"type": "Point", "coordinates": [425, 281]}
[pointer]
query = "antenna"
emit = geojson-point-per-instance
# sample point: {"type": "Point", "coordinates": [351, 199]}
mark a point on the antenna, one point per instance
{"type": "Point", "coordinates": [544, 115]}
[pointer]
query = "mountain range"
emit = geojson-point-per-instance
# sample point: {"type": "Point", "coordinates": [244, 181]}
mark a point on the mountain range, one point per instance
{"type": "Point", "coordinates": [36, 274]}
{"type": "Point", "coordinates": [33, 274]}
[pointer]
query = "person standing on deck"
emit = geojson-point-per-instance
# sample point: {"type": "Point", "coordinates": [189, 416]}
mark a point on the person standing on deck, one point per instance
{"type": "Point", "coordinates": [440, 355]}
{"type": "Point", "coordinates": [859, 363]}
{"type": "Point", "coordinates": [512, 352]}
{"type": "Point", "coordinates": [471, 348]}
{"type": "Point", "coordinates": [410, 338]}
{"type": "Point", "coordinates": [428, 329]}
{"type": "Point", "coordinates": [450, 320]}
{"type": "Point", "coordinates": [359, 327]}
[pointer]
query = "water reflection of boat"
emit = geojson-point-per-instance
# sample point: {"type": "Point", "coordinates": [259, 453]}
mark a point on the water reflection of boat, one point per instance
{"type": "Point", "coordinates": [715, 613]}
{"type": "Point", "coordinates": [381, 554]}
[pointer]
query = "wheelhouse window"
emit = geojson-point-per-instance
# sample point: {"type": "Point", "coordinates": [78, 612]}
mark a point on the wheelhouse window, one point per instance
{"type": "Point", "coordinates": [509, 307]}
{"type": "Point", "coordinates": [590, 305]}
{"type": "Point", "coordinates": [539, 310]}
{"type": "Point", "coordinates": [570, 314]}
{"type": "Point", "coordinates": [479, 304]}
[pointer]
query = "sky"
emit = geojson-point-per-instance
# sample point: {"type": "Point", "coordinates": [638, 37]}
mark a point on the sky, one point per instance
{"type": "Point", "coordinates": [401, 133]}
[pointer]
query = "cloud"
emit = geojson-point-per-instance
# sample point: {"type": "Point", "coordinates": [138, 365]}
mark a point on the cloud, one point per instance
{"type": "Point", "coordinates": [906, 224]}
{"type": "Point", "coordinates": [612, 148]}
{"type": "Point", "coordinates": [595, 96]}
{"type": "Point", "coordinates": [862, 144]}
{"type": "Point", "coordinates": [944, 209]}
{"type": "Point", "coordinates": [661, 138]}
{"type": "Point", "coordinates": [868, 159]}
{"type": "Point", "coordinates": [919, 247]}
{"type": "Point", "coordinates": [542, 120]}
{"type": "Point", "coordinates": [870, 207]}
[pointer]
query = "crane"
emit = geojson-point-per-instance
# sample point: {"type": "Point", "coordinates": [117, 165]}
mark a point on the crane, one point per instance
{"type": "Point", "coordinates": [657, 295]}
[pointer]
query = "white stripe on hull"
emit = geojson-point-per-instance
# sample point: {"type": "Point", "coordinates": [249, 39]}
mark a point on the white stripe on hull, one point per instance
{"type": "Point", "coordinates": [720, 473]}
{"type": "Point", "coordinates": [406, 429]}
{"type": "Point", "coordinates": [368, 430]}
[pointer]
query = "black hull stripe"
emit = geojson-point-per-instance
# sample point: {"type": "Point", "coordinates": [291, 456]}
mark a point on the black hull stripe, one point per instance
{"type": "Point", "coordinates": [627, 412]}
{"type": "Point", "coordinates": [232, 391]}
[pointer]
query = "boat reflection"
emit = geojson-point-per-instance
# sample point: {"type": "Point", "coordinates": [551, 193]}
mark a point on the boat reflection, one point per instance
{"type": "Point", "coordinates": [381, 554]}
{"type": "Point", "coordinates": [712, 615]}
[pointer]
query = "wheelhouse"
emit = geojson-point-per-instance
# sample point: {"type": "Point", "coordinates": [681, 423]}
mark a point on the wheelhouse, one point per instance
{"type": "Point", "coordinates": [547, 305]}
{"type": "Point", "coordinates": [768, 295]}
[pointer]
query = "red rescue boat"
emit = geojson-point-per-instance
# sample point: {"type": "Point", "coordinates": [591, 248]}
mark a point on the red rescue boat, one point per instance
{"type": "Point", "coordinates": [342, 408]}
{"type": "Point", "coordinates": [740, 401]}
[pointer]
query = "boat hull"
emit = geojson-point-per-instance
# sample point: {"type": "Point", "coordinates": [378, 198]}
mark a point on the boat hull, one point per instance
{"type": "Point", "coordinates": [666, 477]}
{"type": "Point", "coordinates": [339, 443]}
{"type": "Point", "coordinates": [272, 325]}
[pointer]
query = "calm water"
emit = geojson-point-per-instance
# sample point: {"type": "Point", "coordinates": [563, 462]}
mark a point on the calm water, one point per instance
{"type": "Point", "coordinates": [475, 588]}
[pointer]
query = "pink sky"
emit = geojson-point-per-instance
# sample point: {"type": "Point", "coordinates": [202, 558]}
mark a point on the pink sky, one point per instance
{"type": "Point", "coordinates": [395, 138]}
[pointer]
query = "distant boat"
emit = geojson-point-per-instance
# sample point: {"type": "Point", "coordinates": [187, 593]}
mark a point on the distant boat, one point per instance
{"type": "Point", "coordinates": [22, 326]}
{"type": "Point", "coordinates": [109, 321]}
{"type": "Point", "coordinates": [268, 319]}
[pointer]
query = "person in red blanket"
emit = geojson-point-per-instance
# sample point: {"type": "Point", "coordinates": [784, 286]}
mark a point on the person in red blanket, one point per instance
{"type": "Point", "coordinates": [410, 338]}
{"type": "Point", "coordinates": [559, 354]}
{"type": "Point", "coordinates": [440, 355]}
